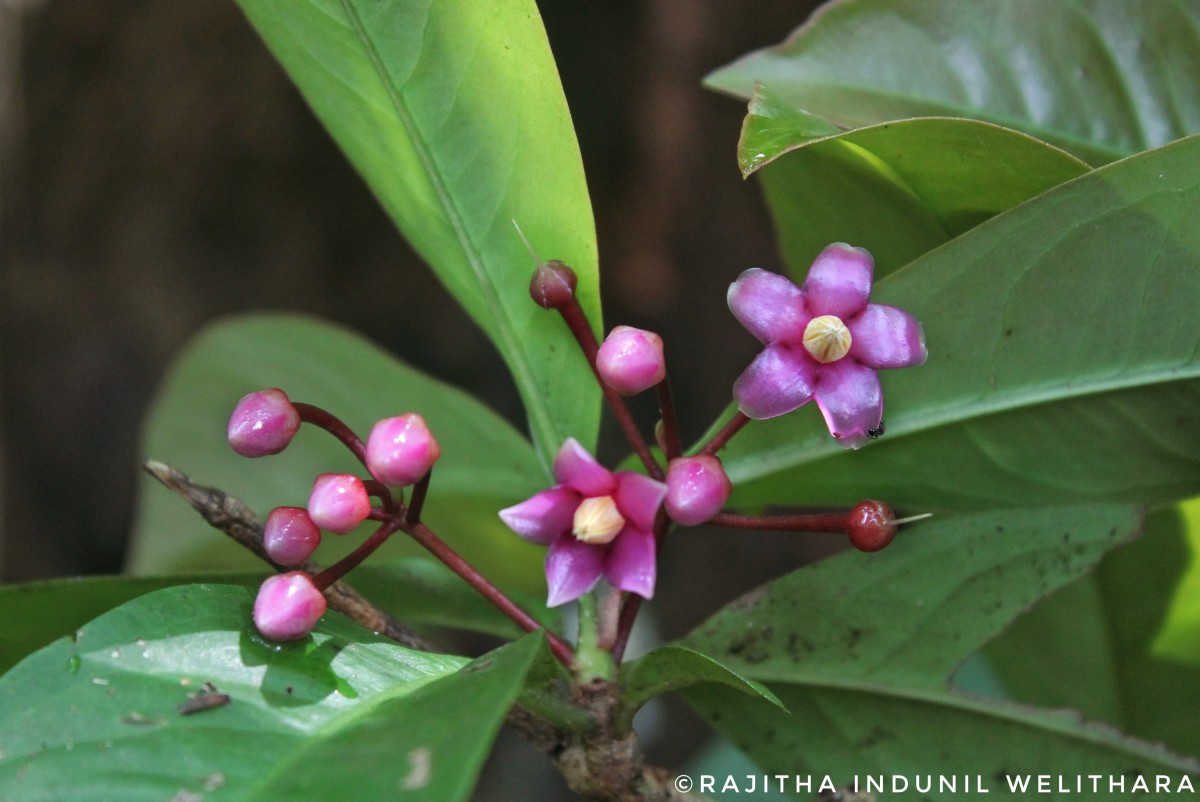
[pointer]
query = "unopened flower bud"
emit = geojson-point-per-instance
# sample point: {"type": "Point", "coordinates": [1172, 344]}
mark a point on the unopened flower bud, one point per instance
{"type": "Point", "coordinates": [263, 423]}
{"type": "Point", "coordinates": [339, 502]}
{"type": "Point", "coordinates": [631, 360]}
{"type": "Point", "coordinates": [697, 489]}
{"type": "Point", "coordinates": [401, 450]}
{"type": "Point", "coordinates": [872, 525]}
{"type": "Point", "coordinates": [290, 536]}
{"type": "Point", "coordinates": [553, 285]}
{"type": "Point", "coordinates": [288, 606]}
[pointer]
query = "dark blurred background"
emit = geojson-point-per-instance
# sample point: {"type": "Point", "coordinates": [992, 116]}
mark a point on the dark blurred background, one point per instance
{"type": "Point", "coordinates": [157, 170]}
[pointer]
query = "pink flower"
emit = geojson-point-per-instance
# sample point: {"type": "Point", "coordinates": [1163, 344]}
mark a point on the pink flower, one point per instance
{"type": "Point", "coordinates": [697, 489]}
{"type": "Point", "coordinates": [824, 341]}
{"type": "Point", "coordinates": [263, 423]}
{"type": "Point", "coordinates": [401, 450]}
{"type": "Point", "coordinates": [631, 360]}
{"type": "Point", "coordinates": [288, 606]}
{"type": "Point", "coordinates": [338, 502]}
{"type": "Point", "coordinates": [596, 523]}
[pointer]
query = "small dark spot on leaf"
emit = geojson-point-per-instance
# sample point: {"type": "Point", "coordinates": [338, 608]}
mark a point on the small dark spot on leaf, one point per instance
{"type": "Point", "coordinates": [289, 690]}
{"type": "Point", "coordinates": [483, 665]}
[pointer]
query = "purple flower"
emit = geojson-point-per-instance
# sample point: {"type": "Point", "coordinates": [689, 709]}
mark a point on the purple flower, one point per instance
{"type": "Point", "coordinates": [596, 523]}
{"type": "Point", "coordinates": [824, 341]}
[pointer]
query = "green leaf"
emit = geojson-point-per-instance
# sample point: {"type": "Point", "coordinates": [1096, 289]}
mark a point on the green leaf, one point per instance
{"type": "Point", "coordinates": [417, 591]}
{"type": "Point", "coordinates": [96, 716]}
{"type": "Point", "coordinates": [485, 464]}
{"type": "Point", "coordinates": [1121, 645]}
{"type": "Point", "coordinates": [861, 648]}
{"type": "Point", "coordinates": [1099, 78]}
{"type": "Point", "coordinates": [454, 115]}
{"type": "Point", "coordinates": [36, 613]}
{"type": "Point", "coordinates": [898, 189]}
{"type": "Point", "coordinates": [1062, 367]}
{"type": "Point", "coordinates": [672, 668]}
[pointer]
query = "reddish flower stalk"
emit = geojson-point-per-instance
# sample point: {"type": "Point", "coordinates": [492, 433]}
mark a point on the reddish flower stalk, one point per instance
{"type": "Point", "coordinates": [818, 522]}
{"type": "Point", "coordinates": [452, 560]}
{"type": "Point", "coordinates": [726, 434]}
{"type": "Point", "coordinates": [417, 500]}
{"type": "Point", "coordinates": [332, 424]}
{"type": "Point", "coordinates": [670, 422]}
{"type": "Point", "coordinates": [633, 602]}
{"type": "Point", "coordinates": [577, 321]}
{"type": "Point", "coordinates": [352, 560]}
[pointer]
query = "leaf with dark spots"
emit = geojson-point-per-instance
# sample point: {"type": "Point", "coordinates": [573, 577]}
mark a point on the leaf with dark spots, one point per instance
{"type": "Point", "coordinates": [883, 634]}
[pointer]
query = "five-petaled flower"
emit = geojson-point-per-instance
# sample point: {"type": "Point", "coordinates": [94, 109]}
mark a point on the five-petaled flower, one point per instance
{"type": "Point", "coordinates": [596, 523]}
{"type": "Point", "coordinates": [823, 341]}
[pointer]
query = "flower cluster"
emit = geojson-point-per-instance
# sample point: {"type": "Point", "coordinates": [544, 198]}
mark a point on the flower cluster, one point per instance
{"type": "Point", "coordinates": [399, 452]}
{"type": "Point", "coordinates": [823, 340]}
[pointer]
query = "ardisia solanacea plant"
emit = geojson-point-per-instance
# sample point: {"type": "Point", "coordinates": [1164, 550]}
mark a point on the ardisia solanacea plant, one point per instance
{"type": "Point", "coordinates": [1019, 183]}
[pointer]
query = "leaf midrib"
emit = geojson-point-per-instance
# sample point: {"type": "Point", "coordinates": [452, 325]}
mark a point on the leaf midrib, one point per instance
{"type": "Point", "coordinates": [541, 422]}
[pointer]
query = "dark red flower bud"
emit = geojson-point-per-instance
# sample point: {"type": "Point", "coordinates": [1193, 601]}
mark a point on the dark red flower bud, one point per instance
{"type": "Point", "coordinates": [553, 285]}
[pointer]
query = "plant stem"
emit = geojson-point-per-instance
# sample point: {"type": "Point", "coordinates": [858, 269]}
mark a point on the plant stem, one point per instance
{"type": "Point", "coordinates": [726, 434]}
{"type": "Point", "coordinates": [351, 561]}
{"type": "Point", "coordinates": [452, 560]}
{"type": "Point", "coordinates": [633, 602]}
{"type": "Point", "coordinates": [666, 409]}
{"type": "Point", "coordinates": [576, 320]}
{"type": "Point", "coordinates": [592, 661]}
{"type": "Point", "coordinates": [417, 500]}
{"type": "Point", "coordinates": [332, 424]}
{"type": "Point", "coordinates": [818, 522]}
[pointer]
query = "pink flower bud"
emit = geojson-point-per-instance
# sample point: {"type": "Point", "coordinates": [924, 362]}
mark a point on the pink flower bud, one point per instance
{"type": "Point", "coordinates": [339, 502]}
{"type": "Point", "coordinates": [401, 450]}
{"type": "Point", "coordinates": [631, 360]}
{"type": "Point", "coordinates": [697, 489]}
{"type": "Point", "coordinates": [553, 285]}
{"type": "Point", "coordinates": [290, 536]}
{"type": "Point", "coordinates": [288, 606]}
{"type": "Point", "coordinates": [263, 423]}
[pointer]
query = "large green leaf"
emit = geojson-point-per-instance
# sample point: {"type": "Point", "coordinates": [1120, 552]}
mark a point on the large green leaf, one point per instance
{"type": "Point", "coordinates": [417, 591]}
{"type": "Point", "coordinates": [94, 717]}
{"type": "Point", "coordinates": [1063, 361]}
{"type": "Point", "coordinates": [485, 464]}
{"type": "Point", "coordinates": [1123, 644]}
{"type": "Point", "coordinates": [898, 189]}
{"type": "Point", "coordinates": [861, 649]}
{"type": "Point", "coordinates": [1099, 78]}
{"type": "Point", "coordinates": [454, 114]}
{"type": "Point", "coordinates": [672, 668]}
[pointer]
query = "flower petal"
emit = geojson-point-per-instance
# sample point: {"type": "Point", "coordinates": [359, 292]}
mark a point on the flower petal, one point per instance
{"type": "Point", "coordinates": [632, 562]}
{"type": "Point", "coordinates": [839, 281]}
{"type": "Point", "coordinates": [769, 305]}
{"type": "Point", "coordinates": [544, 516]}
{"type": "Point", "coordinates": [779, 380]}
{"type": "Point", "coordinates": [639, 497]}
{"type": "Point", "coordinates": [886, 337]}
{"type": "Point", "coordinates": [578, 470]}
{"type": "Point", "coordinates": [572, 568]}
{"type": "Point", "coordinates": [849, 396]}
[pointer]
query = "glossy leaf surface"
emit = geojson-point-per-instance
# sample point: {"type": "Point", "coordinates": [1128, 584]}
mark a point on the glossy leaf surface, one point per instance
{"type": "Point", "coordinates": [454, 115]}
{"type": "Point", "coordinates": [107, 709]}
{"type": "Point", "coordinates": [1099, 78]}
{"type": "Point", "coordinates": [861, 648]}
